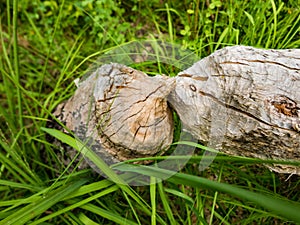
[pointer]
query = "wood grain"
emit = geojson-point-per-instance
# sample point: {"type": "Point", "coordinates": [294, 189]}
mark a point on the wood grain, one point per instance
{"type": "Point", "coordinates": [244, 101]}
{"type": "Point", "coordinates": [120, 113]}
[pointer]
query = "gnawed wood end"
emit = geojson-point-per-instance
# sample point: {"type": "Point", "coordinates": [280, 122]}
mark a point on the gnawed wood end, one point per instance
{"type": "Point", "coordinates": [132, 115]}
{"type": "Point", "coordinates": [121, 113]}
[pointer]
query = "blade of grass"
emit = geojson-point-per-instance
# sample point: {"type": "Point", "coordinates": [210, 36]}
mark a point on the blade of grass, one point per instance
{"type": "Point", "coordinates": [16, 60]}
{"type": "Point", "coordinates": [281, 207]}
{"type": "Point", "coordinates": [222, 37]}
{"type": "Point", "coordinates": [86, 189]}
{"type": "Point", "coordinates": [33, 198]}
{"type": "Point", "coordinates": [169, 23]}
{"type": "Point", "coordinates": [13, 184]}
{"type": "Point", "coordinates": [14, 164]}
{"type": "Point", "coordinates": [56, 25]}
{"type": "Point", "coordinates": [108, 214]}
{"type": "Point", "coordinates": [275, 14]}
{"type": "Point", "coordinates": [153, 199]}
{"type": "Point", "coordinates": [165, 202]}
{"type": "Point", "coordinates": [32, 210]}
{"type": "Point", "coordinates": [79, 146]}
{"type": "Point", "coordinates": [76, 144]}
{"type": "Point", "coordinates": [181, 195]}
{"type": "Point", "coordinates": [188, 203]}
{"type": "Point", "coordinates": [9, 113]}
{"type": "Point", "coordinates": [292, 32]}
{"type": "Point", "coordinates": [76, 203]}
{"type": "Point", "coordinates": [215, 199]}
{"type": "Point", "coordinates": [132, 208]}
{"type": "Point", "coordinates": [36, 30]}
{"type": "Point", "coordinates": [86, 220]}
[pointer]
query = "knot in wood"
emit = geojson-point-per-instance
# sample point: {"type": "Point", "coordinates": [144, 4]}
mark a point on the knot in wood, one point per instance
{"type": "Point", "coordinates": [286, 106]}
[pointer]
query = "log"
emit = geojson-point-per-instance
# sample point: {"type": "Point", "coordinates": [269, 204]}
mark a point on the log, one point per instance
{"type": "Point", "coordinates": [240, 100]}
{"type": "Point", "coordinates": [120, 113]}
{"type": "Point", "coordinates": [244, 101]}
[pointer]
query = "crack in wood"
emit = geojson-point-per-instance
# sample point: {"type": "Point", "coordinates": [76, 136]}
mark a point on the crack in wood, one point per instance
{"type": "Point", "coordinates": [226, 105]}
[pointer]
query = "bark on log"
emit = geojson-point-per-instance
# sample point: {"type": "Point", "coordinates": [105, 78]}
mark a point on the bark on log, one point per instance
{"type": "Point", "coordinates": [240, 100]}
{"type": "Point", "coordinates": [244, 101]}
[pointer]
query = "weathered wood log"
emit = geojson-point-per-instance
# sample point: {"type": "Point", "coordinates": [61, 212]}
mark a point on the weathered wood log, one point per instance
{"type": "Point", "coordinates": [239, 100]}
{"type": "Point", "coordinates": [244, 101]}
{"type": "Point", "coordinates": [121, 113]}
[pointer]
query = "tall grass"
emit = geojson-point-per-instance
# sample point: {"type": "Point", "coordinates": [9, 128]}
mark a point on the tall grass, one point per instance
{"type": "Point", "coordinates": [46, 45]}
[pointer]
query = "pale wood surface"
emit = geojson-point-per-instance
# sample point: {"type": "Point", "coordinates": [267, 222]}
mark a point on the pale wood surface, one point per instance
{"type": "Point", "coordinates": [244, 101]}
{"type": "Point", "coordinates": [239, 100]}
{"type": "Point", "coordinates": [121, 113]}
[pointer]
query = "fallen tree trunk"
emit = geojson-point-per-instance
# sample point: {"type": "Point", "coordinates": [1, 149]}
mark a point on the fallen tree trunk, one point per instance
{"type": "Point", "coordinates": [244, 101]}
{"type": "Point", "coordinates": [239, 100]}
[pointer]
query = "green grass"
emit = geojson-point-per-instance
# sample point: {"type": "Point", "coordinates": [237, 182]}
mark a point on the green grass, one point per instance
{"type": "Point", "coordinates": [45, 45]}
